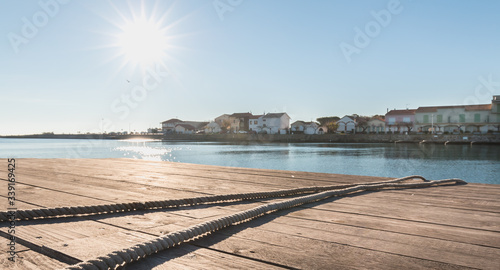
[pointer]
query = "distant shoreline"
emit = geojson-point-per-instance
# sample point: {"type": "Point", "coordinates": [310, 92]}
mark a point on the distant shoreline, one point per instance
{"type": "Point", "coordinates": [288, 138]}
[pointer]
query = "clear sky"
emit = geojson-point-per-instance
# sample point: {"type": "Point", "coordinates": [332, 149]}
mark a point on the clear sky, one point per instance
{"type": "Point", "coordinates": [95, 65]}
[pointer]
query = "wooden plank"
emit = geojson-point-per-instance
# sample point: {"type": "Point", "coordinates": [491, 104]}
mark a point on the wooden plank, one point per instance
{"type": "Point", "coordinates": [166, 168]}
{"type": "Point", "coordinates": [31, 260]}
{"type": "Point", "coordinates": [426, 214]}
{"type": "Point", "coordinates": [428, 247]}
{"type": "Point", "coordinates": [438, 231]}
{"type": "Point", "coordinates": [451, 252]}
{"type": "Point", "coordinates": [444, 227]}
{"type": "Point", "coordinates": [194, 257]}
{"type": "Point", "coordinates": [37, 196]}
{"type": "Point", "coordinates": [27, 259]}
{"type": "Point", "coordinates": [306, 253]}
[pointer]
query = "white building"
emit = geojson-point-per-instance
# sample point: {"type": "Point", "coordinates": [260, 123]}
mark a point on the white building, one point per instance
{"type": "Point", "coordinates": [375, 125]}
{"type": "Point", "coordinates": [321, 130]}
{"type": "Point", "coordinates": [212, 127]}
{"type": "Point", "coordinates": [276, 123]}
{"type": "Point", "coordinates": [306, 127]}
{"type": "Point", "coordinates": [169, 125]}
{"type": "Point", "coordinates": [255, 123]}
{"type": "Point", "coordinates": [479, 118]}
{"type": "Point", "coordinates": [347, 124]}
{"type": "Point", "coordinates": [184, 129]}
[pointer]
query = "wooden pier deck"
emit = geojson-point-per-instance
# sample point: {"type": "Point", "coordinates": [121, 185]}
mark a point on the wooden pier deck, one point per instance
{"type": "Point", "coordinates": [447, 227]}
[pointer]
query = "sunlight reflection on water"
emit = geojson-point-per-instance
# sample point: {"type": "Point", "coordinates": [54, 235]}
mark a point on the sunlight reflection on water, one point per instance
{"type": "Point", "coordinates": [477, 163]}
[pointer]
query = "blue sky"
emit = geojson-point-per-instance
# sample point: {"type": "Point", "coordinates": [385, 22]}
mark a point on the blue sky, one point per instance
{"type": "Point", "coordinates": [68, 66]}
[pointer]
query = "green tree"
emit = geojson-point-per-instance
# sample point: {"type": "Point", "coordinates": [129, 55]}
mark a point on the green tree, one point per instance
{"type": "Point", "coordinates": [362, 122]}
{"type": "Point", "coordinates": [323, 121]}
{"type": "Point", "coordinates": [332, 127]}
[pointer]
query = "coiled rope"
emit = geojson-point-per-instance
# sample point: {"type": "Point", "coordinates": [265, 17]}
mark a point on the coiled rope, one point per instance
{"type": "Point", "coordinates": [135, 206]}
{"type": "Point", "coordinates": [137, 252]}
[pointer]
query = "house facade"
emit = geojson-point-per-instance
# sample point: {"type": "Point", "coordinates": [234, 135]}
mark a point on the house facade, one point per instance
{"type": "Point", "coordinates": [184, 129]}
{"type": "Point", "coordinates": [224, 122]}
{"type": "Point", "coordinates": [306, 127]}
{"type": "Point", "coordinates": [239, 121]}
{"type": "Point", "coordinates": [376, 125]}
{"type": "Point", "coordinates": [321, 130]}
{"type": "Point", "coordinates": [212, 127]}
{"type": "Point", "coordinates": [169, 125]}
{"type": "Point", "coordinates": [276, 123]}
{"type": "Point", "coordinates": [347, 124]}
{"type": "Point", "coordinates": [400, 121]}
{"type": "Point", "coordinates": [255, 123]}
{"type": "Point", "coordinates": [480, 118]}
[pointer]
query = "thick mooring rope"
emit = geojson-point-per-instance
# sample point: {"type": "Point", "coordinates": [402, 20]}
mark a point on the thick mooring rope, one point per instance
{"type": "Point", "coordinates": [137, 252]}
{"type": "Point", "coordinates": [135, 206]}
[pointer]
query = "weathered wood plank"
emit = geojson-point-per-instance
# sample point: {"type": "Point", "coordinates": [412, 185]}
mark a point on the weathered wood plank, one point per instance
{"type": "Point", "coordinates": [27, 259]}
{"type": "Point", "coordinates": [194, 257]}
{"type": "Point", "coordinates": [444, 227]}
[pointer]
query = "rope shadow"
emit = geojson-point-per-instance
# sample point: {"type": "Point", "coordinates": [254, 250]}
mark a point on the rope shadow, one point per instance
{"type": "Point", "coordinates": [209, 240]}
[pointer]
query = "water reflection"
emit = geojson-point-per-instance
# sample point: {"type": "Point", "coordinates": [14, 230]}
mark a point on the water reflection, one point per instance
{"type": "Point", "coordinates": [444, 152]}
{"type": "Point", "coordinates": [476, 163]}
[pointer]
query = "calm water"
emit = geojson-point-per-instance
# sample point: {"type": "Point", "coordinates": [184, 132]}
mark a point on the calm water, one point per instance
{"type": "Point", "coordinates": [477, 163]}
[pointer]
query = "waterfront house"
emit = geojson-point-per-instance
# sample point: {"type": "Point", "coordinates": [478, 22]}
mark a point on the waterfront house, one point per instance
{"type": "Point", "coordinates": [239, 121]}
{"type": "Point", "coordinates": [184, 129]}
{"type": "Point", "coordinates": [400, 121]}
{"type": "Point", "coordinates": [212, 127]}
{"type": "Point", "coordinates": [321, 130]}
{"type": "Point", "coordinates": [169, 125]}
{"type": "Point", "coordinates": [347, 124]}
{"type": "Point", "coordinates": [305, 127]}
{"type": "Point", "coordinates": [276, 123]}
{"type": "Point", "coordinates": [255, 123]}
{"type": "Point", "coordinates": [223, 122]}
{"type": "Point", "coordinates": [376, 125]}
{"type": "Point", "coordinates": [480, 118]}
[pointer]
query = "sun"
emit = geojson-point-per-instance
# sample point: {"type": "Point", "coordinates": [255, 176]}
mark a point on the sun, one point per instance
{"type": "Point", "coordinates": [142, 42]}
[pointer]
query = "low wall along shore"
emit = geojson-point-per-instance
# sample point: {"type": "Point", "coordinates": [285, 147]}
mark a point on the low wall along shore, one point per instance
{"type": "Point", "coordinates": [341, 138]}
{"type": "Point", "coordinates": [296, 138]}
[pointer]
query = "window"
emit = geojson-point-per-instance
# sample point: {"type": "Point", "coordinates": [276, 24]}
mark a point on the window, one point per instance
{"type": "Point", "coordinates": [461, 118]}
{"type": "Point", "coordinates": [439, 118]}
{"type": "Point", "coordinates": [426, 118]}
{"type": "Point", "coordinates": [477, 117]}
{"type": "Point", "coordinates": [406, 119]}
{"type": "Point", "coordinates": [255, 122]}
{"type": "Point", "coordinates": [392, 120]}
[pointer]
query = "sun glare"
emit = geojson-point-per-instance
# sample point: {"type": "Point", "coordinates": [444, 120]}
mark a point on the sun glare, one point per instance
{"type": "Point", "coordinates": [142, 42]}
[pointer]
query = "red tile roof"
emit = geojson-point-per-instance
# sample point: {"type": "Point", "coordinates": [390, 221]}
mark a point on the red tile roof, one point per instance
{"type": "Point", "coordinates": [401, 112]}
{"type": "Point", "coordinates": [479, 107]}
{"type": "Point", "coordinates": [173, 120]}
{"type": "Point", "coordinates": [241, 115]}
{"type": "Point", "coordinates": [275, 115]}
{"type": "Point", "coordinates": [377, 118]}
